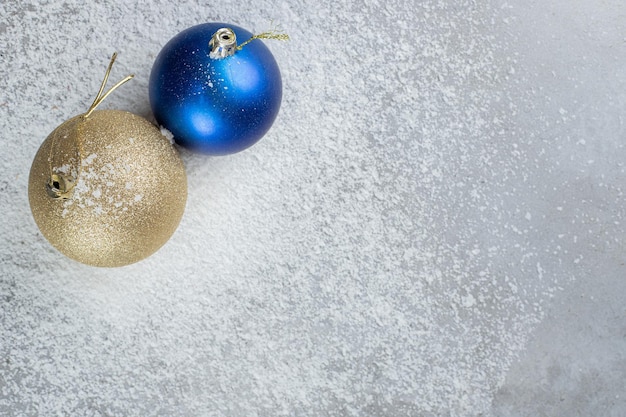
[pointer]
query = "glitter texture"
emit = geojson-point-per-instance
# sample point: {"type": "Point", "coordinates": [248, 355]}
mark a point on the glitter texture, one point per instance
{"type": "Point", "coordinates": [130, 192]}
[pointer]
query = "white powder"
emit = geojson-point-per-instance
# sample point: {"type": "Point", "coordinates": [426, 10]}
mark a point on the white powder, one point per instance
{"type": "Point", "coordinates": [167, 134]}
{"type": "Point", "coordinates": [88, 188]}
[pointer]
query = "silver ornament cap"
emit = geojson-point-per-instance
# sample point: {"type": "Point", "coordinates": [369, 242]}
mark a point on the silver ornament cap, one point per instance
{"type": "Point", "coordinates": [223, 43]}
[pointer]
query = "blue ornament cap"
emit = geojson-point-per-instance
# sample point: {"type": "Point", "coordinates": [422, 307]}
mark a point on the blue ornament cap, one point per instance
{"type": "Point", "coordinates": [215, 106]}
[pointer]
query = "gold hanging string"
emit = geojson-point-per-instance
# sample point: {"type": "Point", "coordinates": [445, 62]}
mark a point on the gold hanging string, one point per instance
{"type": "Point", "coordinates": [100, 97]}
{"type": "Point", "coordinates": [275, 33]}
{"type": "Point", "coordinates": [60, 184]}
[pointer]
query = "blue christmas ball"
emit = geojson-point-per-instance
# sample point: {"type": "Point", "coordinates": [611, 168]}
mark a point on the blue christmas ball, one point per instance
{"type": "Point", "coordinates": [213, 96]}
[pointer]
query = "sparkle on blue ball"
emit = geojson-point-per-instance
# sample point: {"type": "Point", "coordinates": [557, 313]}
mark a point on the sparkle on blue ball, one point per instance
{"type": "Point", "coordinates": [215, 106]}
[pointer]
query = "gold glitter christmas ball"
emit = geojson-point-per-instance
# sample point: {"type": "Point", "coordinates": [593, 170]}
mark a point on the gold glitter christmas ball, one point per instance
{"type": "Point", "coordinates": [107, 189]}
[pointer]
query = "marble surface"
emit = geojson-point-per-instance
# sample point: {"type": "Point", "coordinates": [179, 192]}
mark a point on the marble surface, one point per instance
{"type": "Point", "coordinates": [434, 225]}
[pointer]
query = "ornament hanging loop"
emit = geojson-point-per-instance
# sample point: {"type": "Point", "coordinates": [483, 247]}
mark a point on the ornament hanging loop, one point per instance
{"type": "Point", "coordinates": [100, 97]}
{"type": "Point", "coordinates": [276, 34]}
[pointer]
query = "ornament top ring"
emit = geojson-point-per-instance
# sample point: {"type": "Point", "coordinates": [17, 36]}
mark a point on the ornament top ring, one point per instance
{"type": "Point", "coordinates": [216, 97]}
